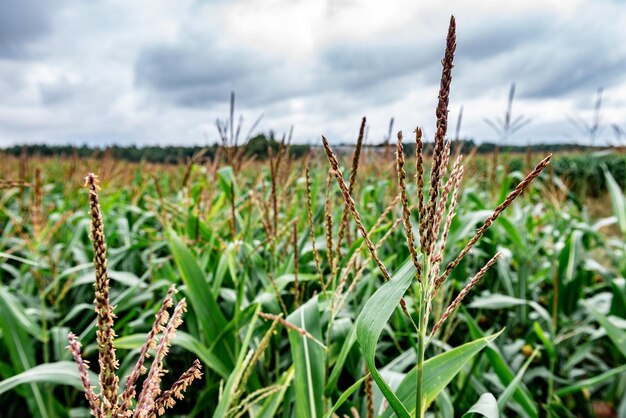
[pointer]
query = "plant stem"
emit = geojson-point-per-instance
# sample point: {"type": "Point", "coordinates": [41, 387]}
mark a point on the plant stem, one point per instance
{"type": "Point", "coordinates": [419, 402]}
{"type": "Point", "coordinates": [420, 405]}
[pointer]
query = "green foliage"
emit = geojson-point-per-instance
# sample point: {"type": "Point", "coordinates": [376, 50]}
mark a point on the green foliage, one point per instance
{"type": "Point", "coordinates": [559, 290]}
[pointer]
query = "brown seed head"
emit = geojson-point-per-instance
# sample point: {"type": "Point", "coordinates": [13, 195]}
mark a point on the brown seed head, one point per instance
{"type": "Point", "coordinates": [104, 311]}
{"type": "Point", "coordinates": [352, 182]}
{"type": "Point", "coordinates": [151, 386]}
{"type": "Point", "coordinates": [83, 372]}
{"type": "Point", "coordinates": [160, 320]}
{"type": "Point", "coordinates": [440, 134]}
{"type": "Point", "coordinates": [334, 166]}
{"type": "Point", "coordinates": [406, 213]}
{"type": "Point", "coordinates": [464, 292]}
{"type": "Point", "coordinates": [497, 211]}
{"type": "Point", "coordinates": [169, 397]}
{"type": "Point", "coordinates": [419, 180]}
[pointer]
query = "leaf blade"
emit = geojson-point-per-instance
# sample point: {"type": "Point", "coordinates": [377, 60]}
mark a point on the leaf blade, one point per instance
{"type": "Point", "coordinates": [373, 318]}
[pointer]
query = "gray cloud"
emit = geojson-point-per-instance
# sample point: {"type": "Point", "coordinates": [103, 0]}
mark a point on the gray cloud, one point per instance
{"type": "Point", "coordinates": [575, 55]}
{"type": "Point", "coordinates": [171, 68]}
{"type": "Point", "coordinates": [192, 73]}
{"type": "Point", "coordinates": [579, 61]}
{"type": "Point", "coordinates": [22, 22]}
{"type": "Point", "coordinates": [355, 66]}
{"type": "Point", "coordinates": [113, 70]}
{"type": "Point", "coordinates": [374, 68]}
{"type": "Point", "coordinates": [478, 41]}
{"type": "Point", "coordinates": [57, 92]}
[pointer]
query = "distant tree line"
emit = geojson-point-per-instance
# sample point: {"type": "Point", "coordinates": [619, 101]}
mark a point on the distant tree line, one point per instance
{"type": "Point", "coordinates": [257, 146]}
{"type": "Point", "coordinates": [468, 145]}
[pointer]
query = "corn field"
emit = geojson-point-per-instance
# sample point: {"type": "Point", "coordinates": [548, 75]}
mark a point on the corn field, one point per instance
{"type": "Point", "coordinates": [356, 284]}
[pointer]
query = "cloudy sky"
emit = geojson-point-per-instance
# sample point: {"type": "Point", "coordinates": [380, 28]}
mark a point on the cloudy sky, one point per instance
{"type": "Point", "coordinates": [160, 72]}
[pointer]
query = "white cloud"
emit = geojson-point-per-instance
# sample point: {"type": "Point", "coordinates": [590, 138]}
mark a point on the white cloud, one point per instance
{"type": "Point", "coordinates": [160, 71]}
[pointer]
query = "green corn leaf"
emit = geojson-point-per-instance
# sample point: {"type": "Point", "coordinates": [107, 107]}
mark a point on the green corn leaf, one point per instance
{"type": "Point", "coordinates": [498, 301]}
{"type": "Point", "coordinates": [596, 380]}
{"type": "Point", "coordinates": [444, 405]}
{"type": "Point", "coordinates": [18, 313]}
{"type": "Point", "coordinates": [570, 257]}
{"type": "Point", "coordinates": [373, 318]}
{"type": "Point", "coordinates": [545, 341]}
{"type": "Point", "coordinates": [183, 340]}
{"type": "Point", "coordinates": [618, 304]}
{"type": "Point", "coordinates": [341, 359]}
{"type": "Point", "coordinates": [486, 406]}
{"type": "Point", "coordinates": [228, 180]}
{"type": "Point", "coordinates": [569, 273]}
{"type": "Point", "coordinates": [617, 200]}
{"type": "Point", "coordinates": [512, 387]}
{"type": "Point", "coordinates": [513, 233]}
{"type": "Point", "coordinates": [59, 373]}
{"type": "Point", "coordinates": [615, 334]}
{"type": "Point", "coordinates": [309, 359]}
{"type": "Point", "coordinates": [502, 370]}
{"type": "Point", "coordinates": [202, 300]}
{"type": "Point", "coordinates": [344, 397]}
{"type": "Point", "coordinates": [438, 372]}
{"type": "Point", "coordinates": [121, 277]}
{"type": "Point", "coordinates": [21, 350]}
{"type": "Point", "coordinates": [271, 404]}
{"type": "Point", "coordinates": [20, 259]}
{"type": "Point", "coordinates": [210, 359]}
{"type": "Point", "coordinates": [233, 380]}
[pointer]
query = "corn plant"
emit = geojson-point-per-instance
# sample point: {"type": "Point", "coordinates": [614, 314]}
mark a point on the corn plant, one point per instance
{"type": "Point", "coordinates": [151, 401]}
{"type": "Point", "coordinates": [429, 276]}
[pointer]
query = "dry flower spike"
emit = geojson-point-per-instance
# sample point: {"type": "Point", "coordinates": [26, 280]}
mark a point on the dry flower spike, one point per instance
{"type": "Point", "coordinates": [433, 213]}
{"type": "Point", "coordinates": [151, 401]}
